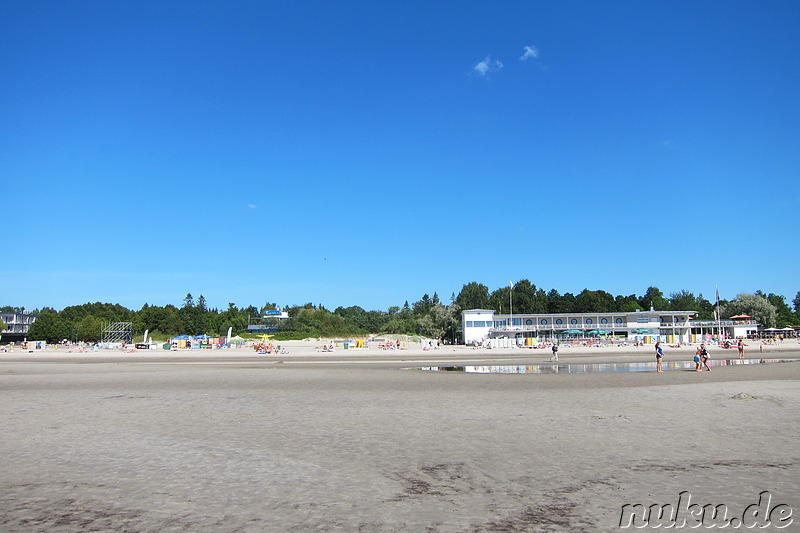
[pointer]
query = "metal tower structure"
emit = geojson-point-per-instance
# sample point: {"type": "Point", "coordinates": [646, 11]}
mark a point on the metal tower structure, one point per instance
{"type": "Point", "coordinates": [118, 332]}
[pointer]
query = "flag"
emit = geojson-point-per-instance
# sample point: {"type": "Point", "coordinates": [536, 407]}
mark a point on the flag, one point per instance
{"type": "Point", "coordinates": [717, 294]}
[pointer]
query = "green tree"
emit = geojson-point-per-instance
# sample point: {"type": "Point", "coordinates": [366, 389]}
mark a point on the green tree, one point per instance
{"type": "Point", "coordinates": [88, 329]}
{"type": "Point", "coordinates": [683, 301]}
{"type": "Point", "coordinates": [627, 304]}
{"type": "Point", "coordinates": [422, 307]}
{"type": "Point", "coordinates": [526, 298]}
{"type": "Point", "coordinates": [473, 295]}
{"type": "Point", "coordinates": [653, 297]}
{"type": "Point", "coordinates": [754, 305]}
{"type": "Point", "coordinates": [192, 316]}
{"type": "Point", "coordinates": [706, 308]}
{"type": "Point", "coordinates": [785, 316]}
{"type": "Point", "coordinates": [170, 323]}
{"type": "Point", "coordinates": [595, 302]}
{"type": "Point", "coordinates": [558, 303]}
{"type": "Point", "coordinates": [440, 322]}
{"type": "Point", "coordinates": [500, 301]}
{"type": "Point", "coordinates": [49, 326]}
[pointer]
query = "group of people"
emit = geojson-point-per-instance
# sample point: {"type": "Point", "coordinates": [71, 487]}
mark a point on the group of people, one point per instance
{"type": "Point", "coordinates": [701, 359]}
{"type": "Point", "coordinates": [269, 349]}
{"type": "Point", "coordinates": [701, 356]}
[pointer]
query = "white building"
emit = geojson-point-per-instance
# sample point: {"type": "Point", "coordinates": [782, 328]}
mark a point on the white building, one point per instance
{"type": "Point", "coordinates": [17, 324]}
{"type": "Point", "coordinates": [644, 326]}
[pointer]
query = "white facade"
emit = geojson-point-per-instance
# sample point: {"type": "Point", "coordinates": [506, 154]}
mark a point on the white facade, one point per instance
{"type": "Point", "coordinates": [482, 324]}
{"type": "Point", "coordinates": [17, 324]}
{"type": "Point", "coordinates": [730, 329]}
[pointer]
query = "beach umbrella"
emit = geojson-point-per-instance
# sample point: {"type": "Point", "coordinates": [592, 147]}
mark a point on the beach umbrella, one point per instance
{"type": "Point", "coordinates": [643, 331]}
{"type": "Point", "coordinates": [599, 332]}
{"type": "Point", "coordinates": [572, 331]}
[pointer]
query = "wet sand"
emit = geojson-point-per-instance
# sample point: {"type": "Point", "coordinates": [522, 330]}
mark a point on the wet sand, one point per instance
{"type": "Point", "coordinates": [355, 441]}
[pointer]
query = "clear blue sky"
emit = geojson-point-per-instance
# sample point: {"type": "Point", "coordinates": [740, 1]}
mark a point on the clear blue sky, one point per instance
{"type": "Point", "coordinates": [365, 153]}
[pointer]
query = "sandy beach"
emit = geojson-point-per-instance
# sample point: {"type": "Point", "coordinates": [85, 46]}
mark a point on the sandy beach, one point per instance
{"type": "Point", "coordinates": [226, 440]}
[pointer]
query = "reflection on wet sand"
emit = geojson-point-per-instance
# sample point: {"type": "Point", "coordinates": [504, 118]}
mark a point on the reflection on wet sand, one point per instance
{"type": "Point", "coordinates": [593, 368]}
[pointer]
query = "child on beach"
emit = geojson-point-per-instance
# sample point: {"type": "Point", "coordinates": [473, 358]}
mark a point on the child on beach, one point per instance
{"type": "Point", "coordinates": [555, 352]}
{"type": "Point", "coordinates": [701, 359]}
{"type": "Point", "coordinates": [659, 356]}
{"type": "Point", "coordinates": [704, 357]}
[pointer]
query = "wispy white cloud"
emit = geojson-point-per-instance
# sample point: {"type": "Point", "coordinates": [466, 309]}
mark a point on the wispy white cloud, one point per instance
{"type": "Point", "coordinates": [529, 52]}
{"type": "Point", "coordinates": [251, 206]}
{"type": "Point", "coordinates": [487, 65]}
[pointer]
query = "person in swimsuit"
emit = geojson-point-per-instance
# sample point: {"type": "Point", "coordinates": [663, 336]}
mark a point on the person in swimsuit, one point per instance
{"type": "Point", "coordinates": [659, 356]}
{"type": "Point", "coordinates": [740, 345]}
{"type": "Point", "coordinates": [703, 357]}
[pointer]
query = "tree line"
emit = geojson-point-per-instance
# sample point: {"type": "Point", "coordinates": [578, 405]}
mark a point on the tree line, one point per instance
{"type": "Point", "coordinates": [428, 316]}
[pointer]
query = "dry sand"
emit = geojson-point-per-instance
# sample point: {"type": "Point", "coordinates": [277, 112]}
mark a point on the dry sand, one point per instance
{"type": "Point", "coordinates": [354, 441]}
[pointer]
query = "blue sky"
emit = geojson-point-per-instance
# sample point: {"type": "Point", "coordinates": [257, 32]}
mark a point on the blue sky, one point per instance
{"type": "Point", "coordinates": [365, 153]}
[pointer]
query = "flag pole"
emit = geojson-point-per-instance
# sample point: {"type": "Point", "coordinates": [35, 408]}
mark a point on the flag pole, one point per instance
{"type": "Point", "coordinates": [511, 309]}
{"type": "Point", "coordinates": [719, 318]}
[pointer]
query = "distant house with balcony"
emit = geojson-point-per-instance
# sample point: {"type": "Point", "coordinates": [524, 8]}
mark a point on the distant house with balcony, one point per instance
{"type": "Point", "coordinates": [17, 325]}
{"type": "Point", "coordinates": [269, 322]}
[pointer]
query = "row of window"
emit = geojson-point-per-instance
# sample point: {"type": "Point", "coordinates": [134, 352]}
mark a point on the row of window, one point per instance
{"type": "Point", "coordinates": [543, 322]}
{"type": "Point", "coordinates": [529, 322]}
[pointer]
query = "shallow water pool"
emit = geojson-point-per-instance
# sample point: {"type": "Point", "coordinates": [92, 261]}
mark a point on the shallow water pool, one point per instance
{"type": "Point", "coordinates": [594, 368]}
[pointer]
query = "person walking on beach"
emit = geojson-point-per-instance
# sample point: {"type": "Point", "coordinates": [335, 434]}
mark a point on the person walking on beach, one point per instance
{"type": "Point", "coordinates": [555, 352]}
{"type": "Point", "coordinates": [659, 356]}
{"type": "Point", "coordinates": [740, 345]}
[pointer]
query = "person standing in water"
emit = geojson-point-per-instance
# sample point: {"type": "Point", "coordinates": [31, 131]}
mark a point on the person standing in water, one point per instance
{"type": "Point", "coordinates": [659, 356]}
{"type": "Point", "coordinates": [702, 353]}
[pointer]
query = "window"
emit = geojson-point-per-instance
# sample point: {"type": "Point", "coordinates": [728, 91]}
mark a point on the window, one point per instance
{"type": "Point", "coordinates": [604, 321]}
{"type": "Point", "coordinates": [618, 321]}
{"type": "Point", "coordinates": [516, 321]}
{"type": "Point", "coordinates": [559, 321]}
{"type": "Point", "coordinates": [573, 321]}
{"type": "Point", "coordinates": [588, 320]}
{"type": "Point", "coordinates": [544, 322]}
{"type": "Point", "coordinates": [480, 324]}
{"type": "Point", "coordinates": [469, 323]}
{"type": "Point", "coordinates": [528, 322]}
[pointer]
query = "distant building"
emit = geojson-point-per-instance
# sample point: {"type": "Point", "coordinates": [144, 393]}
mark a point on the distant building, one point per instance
{"type": "Point", "coordinates": [17, 325]}
{"type": "Point", "coordinates": [269, 322]}
{"type": "Point", "coordinates": [645, 326]}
